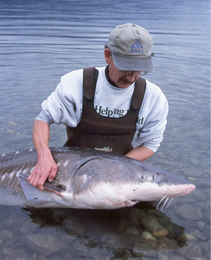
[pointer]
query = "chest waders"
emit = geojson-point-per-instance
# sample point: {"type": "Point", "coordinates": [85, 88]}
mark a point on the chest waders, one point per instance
{"type": "Point", "coordinates": [100, 132]}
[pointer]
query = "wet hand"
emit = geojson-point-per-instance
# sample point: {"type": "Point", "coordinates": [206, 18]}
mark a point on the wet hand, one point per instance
{"type": "Point", "coordinates": [45, 168]}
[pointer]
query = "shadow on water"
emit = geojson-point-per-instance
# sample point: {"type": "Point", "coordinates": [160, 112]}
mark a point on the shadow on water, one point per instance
{"type": "Point", "coordinates": [127, 232]}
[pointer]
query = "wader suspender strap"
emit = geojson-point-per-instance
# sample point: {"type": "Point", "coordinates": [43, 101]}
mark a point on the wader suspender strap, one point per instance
{"type": "Point", "coordinates": [138, 95]}
{"type": "Point", "coordinates": [89, 84]}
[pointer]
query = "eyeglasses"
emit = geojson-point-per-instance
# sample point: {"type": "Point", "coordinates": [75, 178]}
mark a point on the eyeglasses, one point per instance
{"type": "Point", "coordinates": [137, 73]}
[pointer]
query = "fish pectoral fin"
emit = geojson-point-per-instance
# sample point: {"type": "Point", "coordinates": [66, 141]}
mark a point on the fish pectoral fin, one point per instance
{"type": "Point", "coordinates": [32, 194]}
{"type": "Point", "coordinates": [36, 196]}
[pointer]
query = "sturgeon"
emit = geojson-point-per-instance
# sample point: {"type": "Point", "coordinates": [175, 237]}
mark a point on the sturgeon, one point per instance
{"type": "Point", "coordinates": [87, 179]}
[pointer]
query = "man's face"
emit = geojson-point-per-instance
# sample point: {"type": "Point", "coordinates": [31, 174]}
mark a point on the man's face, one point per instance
{"type": "Point", "coordinates": [121, 78]}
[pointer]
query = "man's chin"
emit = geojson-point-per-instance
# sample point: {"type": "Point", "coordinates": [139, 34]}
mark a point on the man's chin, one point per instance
{"type": "Point", "coordinates": [124, 84]}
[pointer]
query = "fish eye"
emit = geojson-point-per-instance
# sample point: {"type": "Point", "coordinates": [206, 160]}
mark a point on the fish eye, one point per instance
{"type": "Point", "coordinates": [143, 176]}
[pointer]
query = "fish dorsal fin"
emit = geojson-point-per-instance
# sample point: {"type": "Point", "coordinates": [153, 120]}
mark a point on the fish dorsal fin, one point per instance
{"type": "Point", "coordinates": [36, 196]}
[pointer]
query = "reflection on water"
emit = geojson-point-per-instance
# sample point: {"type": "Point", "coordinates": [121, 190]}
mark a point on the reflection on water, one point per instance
{"type": "Point", "coordinates": [42, 40]}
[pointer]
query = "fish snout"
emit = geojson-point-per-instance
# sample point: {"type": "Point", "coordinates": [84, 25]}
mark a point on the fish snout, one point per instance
{"type": "Point", "coordinates": [190, 188]}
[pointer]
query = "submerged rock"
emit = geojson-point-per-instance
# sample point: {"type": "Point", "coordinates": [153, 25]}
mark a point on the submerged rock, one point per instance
{"type": "Point", "coordinates": [5, 234]}
{"type": "Point", "coordinates": [193, 249]}
{"type": "Point", "coordinates": [165, 243]}
{"type": "Point", "coordinates": [151, 223]}
{"type": "Point", "coordinates": [198, 235]}
{"type": "Point", "coordinates": [28, 228]}
{"type": "Point", "coordinates": [142, 249]}
{"type": "Point", "coordinates": [147, 236]}
{"type": "Point", "coordinates": [175, 257]}
{"type": "Point", "coordinates": [189, 212]}
{"type": "Point", "coordinates": [14, 253]}
{"type": "Point", "coordinates": [193, 172]}
{"type": "Point", "coordinates": [132, 230]}
{"type": "Point", "coordinates": [46, 243]}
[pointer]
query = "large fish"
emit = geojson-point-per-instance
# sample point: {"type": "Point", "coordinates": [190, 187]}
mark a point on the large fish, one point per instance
{"type": "Point", "coordinates": [87, 179]}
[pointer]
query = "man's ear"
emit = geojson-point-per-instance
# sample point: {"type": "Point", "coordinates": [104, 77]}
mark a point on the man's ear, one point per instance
{"type": "Point", "coordinates": [107, 55]}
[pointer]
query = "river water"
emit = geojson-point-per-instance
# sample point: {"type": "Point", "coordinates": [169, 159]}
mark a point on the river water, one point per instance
{"type": "Point", "coordinates": [42, 40]}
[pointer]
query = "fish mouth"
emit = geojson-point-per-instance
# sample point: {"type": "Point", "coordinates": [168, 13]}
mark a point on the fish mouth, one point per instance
{"type": "Point", "coordinates": [130, 203]}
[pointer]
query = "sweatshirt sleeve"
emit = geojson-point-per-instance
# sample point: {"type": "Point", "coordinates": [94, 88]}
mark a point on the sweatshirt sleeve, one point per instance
{"type": "Point", "coordinates": [154, 112]}
{"type": "Point", "coordinates": [64, 105]}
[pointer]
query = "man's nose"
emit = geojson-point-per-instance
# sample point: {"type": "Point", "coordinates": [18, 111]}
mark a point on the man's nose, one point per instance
{"type": "Point", "coordinates": [132, 76]}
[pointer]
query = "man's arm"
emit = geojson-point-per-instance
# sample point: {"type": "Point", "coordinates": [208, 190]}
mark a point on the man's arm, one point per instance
{"type": "Point", "coordinates": [140, 153]}
{"type": "Point", "coordinates": [46, 166]}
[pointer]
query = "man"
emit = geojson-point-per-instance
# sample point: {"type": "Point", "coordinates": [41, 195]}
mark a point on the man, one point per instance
{"type": "Point", "coordinates": [107, 118]}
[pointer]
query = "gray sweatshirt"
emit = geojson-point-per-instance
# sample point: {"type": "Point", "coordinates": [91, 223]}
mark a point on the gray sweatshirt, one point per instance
{"type": "Point", "coordinates": [64, 105]}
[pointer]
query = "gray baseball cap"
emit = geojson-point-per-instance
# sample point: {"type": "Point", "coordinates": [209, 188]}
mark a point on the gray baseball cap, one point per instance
{"type": "Point", "coordinates": [130, 45]}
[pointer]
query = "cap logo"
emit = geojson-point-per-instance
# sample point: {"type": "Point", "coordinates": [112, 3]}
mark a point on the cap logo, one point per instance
{"type": "Point", "coordinates": [137, 47]}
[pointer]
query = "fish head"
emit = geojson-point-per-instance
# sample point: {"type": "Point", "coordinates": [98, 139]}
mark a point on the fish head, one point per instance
{"type": "Point", "coordinates": [116, 182]}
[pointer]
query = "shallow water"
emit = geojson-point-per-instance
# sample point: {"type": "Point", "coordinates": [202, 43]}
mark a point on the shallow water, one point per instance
{"type": "Point", "coordinates": [42, 40]}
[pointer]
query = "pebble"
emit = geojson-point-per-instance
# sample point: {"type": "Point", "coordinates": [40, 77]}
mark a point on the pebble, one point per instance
{"type": "Point", "coordinates": [130, 240]}
{"type": "Point", "coordinates": [199, 195]}
{"type": "Point", "coordinates": [147, 236]}
{"type": "Point", "coordinates": [189, 212]}
{"type": "Point", "coordinates": [15, 253]}
{"type": "Point", "coordinates": [193, 249]}
{"type": "Point", "coordinates": [119, 252]}
{"type": "Point", "coordinates": [193, 172]}
{"type": "Point", "coordinates": [5, 234]}
{"type": "Point", "coordinates": [154, 227]}
{"type": "Point", "coordinates": [128, 255]}
{"type": "Point", "coordinates": [175, 257]}
{"type": "Point", "coordinates": [162, 256]}
{"type": "Point", "coordinates": [132, 230]}
{"type": "Point", "coordinates": [198, 235]}
{"type": "Point", "coordinates": [206, 256]}
{"type": "Point", "coordinates": [134, 216]}
{"type": "Point", "coordinates": [111, 239]}
{"type": "Point", "coordinates": [192, 179]}
{"type": "Point", "coordinates": [189, 225]}
{"type": "Point", "coordinates": [8, 251]}
{"type": "Point", "coordinates": [200, 225]}
{"type": "Point", "coordinates": [79, 246]}
{"type": "Point", "coordinates": [141, 249]}
{"type": "Point", "coordinates": [28, 227]}
{"type": "Point", "coordinates": [173, 155]}
{"type": "Point", "coordinates": [205, 246]}
{"type": "Point", "coordinates": [182, 238]}
{"type": "Point", "coordinates": [206, 231]}
{"type": "Point", "coordinates": [46, 243]}
{"type": "Point", "coordinates": [194, 161]}
{"type": "Point", "coordinates": [162, 155]}
{"type": "Point", "coordinates": [165, 243]}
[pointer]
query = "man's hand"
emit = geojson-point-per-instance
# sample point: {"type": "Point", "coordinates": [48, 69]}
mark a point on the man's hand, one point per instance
{"type": "Point", "coordinates": [45, 168]}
